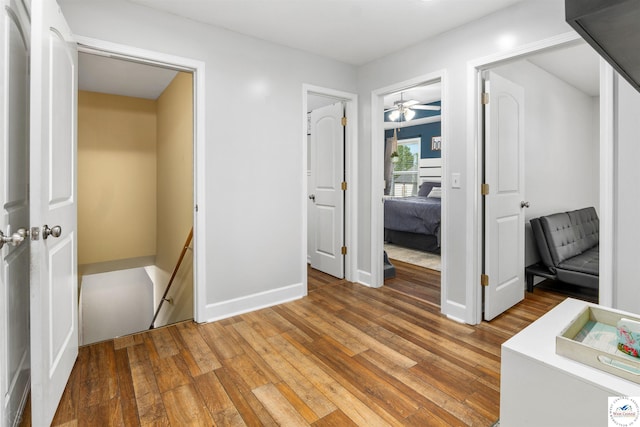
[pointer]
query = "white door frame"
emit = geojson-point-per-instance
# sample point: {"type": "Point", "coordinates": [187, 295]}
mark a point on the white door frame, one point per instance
{"type": "Point", "coordinates": [351, 168]}
{"type": "Point", "coordinates": [197, 68]}
{"type": "Point", "coordinates": [377, 176]}
{"type": "Point", "coordinates": [475, 161]}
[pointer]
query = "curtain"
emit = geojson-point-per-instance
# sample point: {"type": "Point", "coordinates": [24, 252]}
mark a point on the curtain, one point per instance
{"type": "Point", "coordinates": [390, 145]}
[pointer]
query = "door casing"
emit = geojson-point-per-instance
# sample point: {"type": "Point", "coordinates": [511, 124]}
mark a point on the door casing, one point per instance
{"type": "Point", "coordinates": [376, 278]}
{"type": "Point", "coordinates": [197, 68]}
{"type": "Point", "coordinates": [474, 216]}
{"type": "Point", "coordinates": [351, 168]}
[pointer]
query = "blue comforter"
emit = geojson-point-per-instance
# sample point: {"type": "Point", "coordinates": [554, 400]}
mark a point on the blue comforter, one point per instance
{"type": "Point", "coordinates": [414, 214]}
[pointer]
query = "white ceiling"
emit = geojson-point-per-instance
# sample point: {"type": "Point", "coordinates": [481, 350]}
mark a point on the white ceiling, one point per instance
{"type": "Point", "coordinates": [370, 28]}
{"type": "Point", "coordinates": [351, 31]}
{"type": "Point", "coordinates": [579, 66]}
{"type": "Point", "coordinates": [118, 77]}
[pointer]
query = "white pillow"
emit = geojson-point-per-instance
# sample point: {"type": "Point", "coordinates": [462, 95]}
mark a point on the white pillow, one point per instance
{"type": "Point", "coordinates": [436, 192]}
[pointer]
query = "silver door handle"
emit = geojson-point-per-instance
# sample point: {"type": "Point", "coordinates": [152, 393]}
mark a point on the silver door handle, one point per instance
{"type": "Point", "coordinates": [312, 197]}
{"type": "Point", "coordinates": [15, 239]}
{"type": "Point", "coordinates": [54, 231]}
{"type": "Point", "coordinates": [524, 204]}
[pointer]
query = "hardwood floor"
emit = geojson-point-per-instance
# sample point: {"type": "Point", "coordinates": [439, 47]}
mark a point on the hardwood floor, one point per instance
{"type": "Point", "coordinates": [414, 280]}
{"type": "Point", "coordinates": [344, 355]}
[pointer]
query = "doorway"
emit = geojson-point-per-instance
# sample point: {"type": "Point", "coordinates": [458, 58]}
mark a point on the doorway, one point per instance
{"type": "Point", "coordinates": [135, 176]}
{"type": "Point", "coordinates": [343, 178]}
{"type": "Point", "coordinates": [562, 119]}
{"type": "Point", "coordinates": [326, 187]}
{"type": "Point", "coordinates": [377, 158]}
{"type": "Point", "coordinates": [413, 173]}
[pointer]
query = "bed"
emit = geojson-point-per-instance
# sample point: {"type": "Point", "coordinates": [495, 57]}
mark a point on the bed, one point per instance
{"type": "Point", "coordinates": [414, 222]}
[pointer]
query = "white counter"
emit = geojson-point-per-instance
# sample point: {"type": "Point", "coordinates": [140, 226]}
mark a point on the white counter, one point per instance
{"type": "Point", "coordinates": [542, 389]}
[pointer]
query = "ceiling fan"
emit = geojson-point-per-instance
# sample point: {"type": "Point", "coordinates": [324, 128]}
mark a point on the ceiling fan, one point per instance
{"type": "Point", "coordinates": [405, 109]}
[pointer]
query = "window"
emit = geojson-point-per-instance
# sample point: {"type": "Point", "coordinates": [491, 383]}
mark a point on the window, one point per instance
{"type": "Point", "coordinates": [405, 168]}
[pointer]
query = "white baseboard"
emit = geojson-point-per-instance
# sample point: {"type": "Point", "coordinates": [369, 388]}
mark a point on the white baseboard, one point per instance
{"type": "Point", "coordinates": [364, 278]}
{"type": "Point", "coordinates": [455, 319]}
{"type": "Point", "coordinates": [225, 309]}
{"type": "Point", "coordinates": [455, 311]}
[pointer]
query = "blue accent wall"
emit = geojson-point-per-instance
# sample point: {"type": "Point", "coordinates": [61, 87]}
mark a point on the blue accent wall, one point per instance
{"type": "Point", "coordinates": [426, 132]}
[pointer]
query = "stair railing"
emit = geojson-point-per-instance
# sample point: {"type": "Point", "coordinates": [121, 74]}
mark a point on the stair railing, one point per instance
{"type": "Point", "coordinates": [173, 276]}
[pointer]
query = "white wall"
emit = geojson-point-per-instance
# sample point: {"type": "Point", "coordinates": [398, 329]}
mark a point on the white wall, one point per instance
{"type": "Point", "coordinates": [253, 109]}
{"type": "Point", "coordinates": [253, 242]}
{"type": "Point", "coordinates": [626, 236]}
{"type": "Point", "coordinates": [114, 304]}
{"type": "Point", "coordinates": [561, 145]}
{"type": "Point", "coordinates": [526, 22]}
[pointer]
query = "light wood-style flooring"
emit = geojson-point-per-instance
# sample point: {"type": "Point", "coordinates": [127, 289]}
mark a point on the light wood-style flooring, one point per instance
{"type": "Point", "coordinates": [416, 281]}
{"type": "Point", "coordinates": [344, 355]}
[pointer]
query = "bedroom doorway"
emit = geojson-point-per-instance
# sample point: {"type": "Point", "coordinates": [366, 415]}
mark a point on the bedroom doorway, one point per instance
{"type": "Point", "coordinates": [413, 171]}
{"type": "Point", "coordinates": [561, 85]}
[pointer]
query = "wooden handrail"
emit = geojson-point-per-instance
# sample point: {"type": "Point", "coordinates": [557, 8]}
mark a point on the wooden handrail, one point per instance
{"type": "Point", "coordinates": [173, 276]}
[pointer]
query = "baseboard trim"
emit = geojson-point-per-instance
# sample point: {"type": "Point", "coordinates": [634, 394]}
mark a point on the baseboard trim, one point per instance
{"type": "Point", "coordinates": [454, 311]}
{"type": "Point", "coordinates": [236, 306]}
{"type": "Point", "coordinates": [364, 278]}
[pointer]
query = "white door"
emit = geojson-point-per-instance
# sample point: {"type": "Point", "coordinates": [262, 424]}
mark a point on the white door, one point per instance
{"type": "Point", "coordinates": [14, 198]}
{"type": "Point", "coordinates": [504, 215]}
{"type": "Point", "coordinates": [54, 284]}
{"type": "Point", "coordinates": [326, 198]}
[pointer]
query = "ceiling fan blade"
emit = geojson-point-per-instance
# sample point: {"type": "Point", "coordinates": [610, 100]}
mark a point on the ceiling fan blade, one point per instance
{"type": "Point", "coordinates": [395, 107]}
{"type": "Point", "coordinates": [426, 107]}
{"type": "Point", "coordinates": [410, 103]}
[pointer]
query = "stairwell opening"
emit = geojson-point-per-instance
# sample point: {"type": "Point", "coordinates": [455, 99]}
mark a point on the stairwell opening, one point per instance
{"type": "Point", "coordinates": [135, 199]}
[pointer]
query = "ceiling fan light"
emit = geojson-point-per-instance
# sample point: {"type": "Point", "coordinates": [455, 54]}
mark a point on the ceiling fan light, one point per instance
{"type": "Point", "coordinates": [409, 114]}
{"type": "Point", "coordinates": [394, 115]}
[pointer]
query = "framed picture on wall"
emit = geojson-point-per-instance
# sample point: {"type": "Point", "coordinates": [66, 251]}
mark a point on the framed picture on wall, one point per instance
{"type": "Point", "coordinates": [436, 143]}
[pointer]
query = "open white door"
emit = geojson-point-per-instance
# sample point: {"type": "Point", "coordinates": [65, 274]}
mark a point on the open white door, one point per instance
{"type": "Point", "coordinates": [326, 207]}
{"type": "Point", "coordinates": [14, 213]}
{"type": "Point", "coordinates": [503, 206]}
{"type": "Point", "coordinates": [54, 284]}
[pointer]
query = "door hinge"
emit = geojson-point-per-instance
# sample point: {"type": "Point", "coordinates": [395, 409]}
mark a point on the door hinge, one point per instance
{"type": "Point", "coordinates": [343, 250]}
{"type": "Point", "coordinates": [484, 280]}
{"type": "Point", "coordinates": [344, 121]}
{"type": "Point", "coordinates": [484, 189]}
{"type": "Point", "coordinates": [485, 98]}
{"type": "Point", "coordinates": [344, 186]}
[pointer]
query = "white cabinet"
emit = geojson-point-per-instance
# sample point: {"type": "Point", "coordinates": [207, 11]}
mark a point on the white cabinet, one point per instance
{"type": "Point", "coordinates": [540, 388]}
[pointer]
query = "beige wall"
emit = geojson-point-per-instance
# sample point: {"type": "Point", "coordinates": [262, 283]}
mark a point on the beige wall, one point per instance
{"type": "Point", "coordinates": [175, 198]}
{"type": "Point", "coordinates": [175, 170]}
{"type": "Point", "coordinates": [135, 187]}
{"type": "Point", "coordinates": [116, 178]}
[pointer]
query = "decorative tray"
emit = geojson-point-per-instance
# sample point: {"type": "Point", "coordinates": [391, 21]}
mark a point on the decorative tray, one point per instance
{"type": "Point", "coordinates": [591, 339]}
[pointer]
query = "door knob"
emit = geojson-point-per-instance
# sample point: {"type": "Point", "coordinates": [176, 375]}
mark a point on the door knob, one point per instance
{"type": "Point", "coordinates": [15, 239]}
{"type": "Point", "coordinates": [524, 204]}
{"type": "Point", "coordinates": [312, 197]}
{"type": "Point", "coordinates": [54, 231]}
